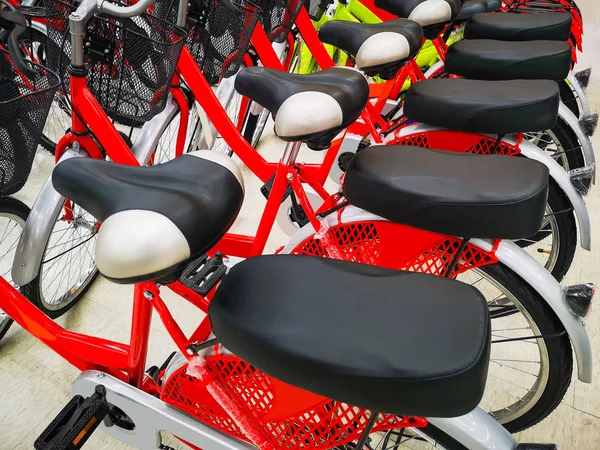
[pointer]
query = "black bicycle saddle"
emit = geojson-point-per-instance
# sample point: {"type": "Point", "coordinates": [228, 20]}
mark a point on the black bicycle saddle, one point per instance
{"type": "Point", "coordinates": [311, 108]}
{"type": "Point", "coordinates": [378, 49]}
{"type": "Point", "coordinates": [325, 326]}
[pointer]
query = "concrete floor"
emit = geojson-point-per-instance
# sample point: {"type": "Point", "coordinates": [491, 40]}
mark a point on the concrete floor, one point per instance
{"type": "Point", "coordinates": [35, 383]}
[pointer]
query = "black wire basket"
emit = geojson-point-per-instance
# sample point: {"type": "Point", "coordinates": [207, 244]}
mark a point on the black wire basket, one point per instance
{"type": "Point", "coordinates": [316, 8]}
{"type": "Point", "coordinates": [279, 16]}
{"type": "Point", "coordinates": [24, 102]}
{"type": "Point", "coordinates": [131, 62]}
{"type": "Point", "coordinates": [219, 33]}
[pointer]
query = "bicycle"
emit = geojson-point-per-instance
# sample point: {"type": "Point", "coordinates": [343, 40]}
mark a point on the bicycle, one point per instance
{"type": "Point", "coordinates": [276, 178]}
{"type": "Point", "coordinates": [243, 397]}
{"type": "Point", "coordinates": [126, 78]}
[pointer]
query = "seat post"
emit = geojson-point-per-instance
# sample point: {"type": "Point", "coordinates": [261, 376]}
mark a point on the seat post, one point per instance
{"type": "Point", "coordinates": [290, 153]}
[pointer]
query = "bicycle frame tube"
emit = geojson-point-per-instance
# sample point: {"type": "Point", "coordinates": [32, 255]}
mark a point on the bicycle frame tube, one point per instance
{"type": "Point", "coordinates": [89, 114]}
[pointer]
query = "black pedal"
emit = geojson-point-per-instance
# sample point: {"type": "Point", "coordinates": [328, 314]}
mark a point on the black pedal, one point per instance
{"type": "Point", "coordinates": [72, 427]}
{"type": "Point", "coordinates": [204, 273]}
{"type": "Point", "coordinates": [266, 189]}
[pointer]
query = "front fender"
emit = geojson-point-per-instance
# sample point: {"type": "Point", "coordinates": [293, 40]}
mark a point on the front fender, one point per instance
{"type": "Point", "coordinates": [579, 90]}
{"type": "Point", "coordinates": [564, 182]}
{"type": "Point", "coordinates": [573, 122]}
{"type": "Point", "coordinates": [524, 265]}
{"type": "Point", "coordinates": [38, 228]}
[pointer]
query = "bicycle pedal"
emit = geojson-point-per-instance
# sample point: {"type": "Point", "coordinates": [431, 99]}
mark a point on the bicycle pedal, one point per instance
{"type": "Point", "coordinates": [265, 189]}
{"type": "Point", "coordinates": [204, 273]}
{"type": "Point", "coordinates": [75, 423]}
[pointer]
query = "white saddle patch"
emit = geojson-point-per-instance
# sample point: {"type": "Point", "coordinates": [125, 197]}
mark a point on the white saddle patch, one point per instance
{"type": "Point", "coordinates": [306, 113]}
{"type": "Point", "coordinates": [223, 160]}
{"type": "Point", "coordinates": [431, 12]}
{"type": "Point", "coordinates": [137, 242]}
{"type": "Point", "coordinates": [382, 48]}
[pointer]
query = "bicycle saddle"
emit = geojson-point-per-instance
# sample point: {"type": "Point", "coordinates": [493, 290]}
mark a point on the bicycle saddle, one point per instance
{"type": "Point", "coordinates": [497, 107]}
{"type": "Point", "coordinates": [460, 194]}
{"type": "Point", "coordinates": [332, 327]}
{"type": "Point", "coordinates": [471, 7]}
{"type": "Point", "coordinates": [424, 12]}
{"type": "Point", "coordinates": [485, 59]}
{"type": "Point", "coordinates": [154, 219]}
{"type": "Point", "coordinates": [378, 49]}
{"type": "Point", "coordinates": [551, 26]}
{"type": "Point", "coordinates": [311, 108]}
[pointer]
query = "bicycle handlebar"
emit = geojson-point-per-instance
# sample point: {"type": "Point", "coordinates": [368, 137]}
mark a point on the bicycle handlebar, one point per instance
{"type": "Point", "coordinates": [14, 22]}
{"type": "Point", "coordinates": [124, 11]}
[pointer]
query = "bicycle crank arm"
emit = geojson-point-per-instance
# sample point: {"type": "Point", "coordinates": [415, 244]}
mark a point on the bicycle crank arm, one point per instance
{"type": "Point", "coordinates": [150, 415]}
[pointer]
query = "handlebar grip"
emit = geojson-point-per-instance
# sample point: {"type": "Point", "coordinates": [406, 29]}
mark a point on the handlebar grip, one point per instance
{"type": "Point", "coordinates": [14, 23]}
{"type": "Point", "coordinates": [124, 11]}
{"type": "Point", "coordinates": [15, 52]}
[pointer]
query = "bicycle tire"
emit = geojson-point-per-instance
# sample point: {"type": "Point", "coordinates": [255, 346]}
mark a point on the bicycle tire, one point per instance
{"type": "Point", "coordinates": [559, 348]}
{"type": "Point", "coordinates": [255, 126]}
{"type": "Point", "coordinates": [14, 209]}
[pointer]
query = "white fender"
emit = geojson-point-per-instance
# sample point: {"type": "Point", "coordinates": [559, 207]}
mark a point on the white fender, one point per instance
{"type": "Point", "coordinates": [563, 180]}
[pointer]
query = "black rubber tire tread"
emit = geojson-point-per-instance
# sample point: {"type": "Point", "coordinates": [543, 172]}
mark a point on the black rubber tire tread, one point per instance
{"type": "Point", "coordinates": [560, 353]}
{"type": "Point", "coordinates": [32, 291]}
{"type": "Point", "coordinates": [15, 207]}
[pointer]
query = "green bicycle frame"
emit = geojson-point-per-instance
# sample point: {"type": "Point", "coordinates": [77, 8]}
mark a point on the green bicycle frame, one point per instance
{"type": "Point", "coordinates": [355, 11]}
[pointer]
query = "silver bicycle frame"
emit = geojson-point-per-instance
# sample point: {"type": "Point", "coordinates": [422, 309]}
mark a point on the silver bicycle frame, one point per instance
{"type": "Point", "coordinates": [476, 430]}
{"type": "Point", "coordinates": [514, 258]}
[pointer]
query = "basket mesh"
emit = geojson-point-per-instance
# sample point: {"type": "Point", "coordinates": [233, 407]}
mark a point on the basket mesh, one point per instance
{"type": "Point", "coordinates": [219, 33]}
{"type": "Point", "coordinates": [279, 16]}
{"type": "Point", "coordinates": [131, 62]}
{"type": "Point", "coordinates": [366, 243]}
{"type": "Point", "coordinates": [321, 424]}
{"type": "Point", "coordinates": [24, 102]}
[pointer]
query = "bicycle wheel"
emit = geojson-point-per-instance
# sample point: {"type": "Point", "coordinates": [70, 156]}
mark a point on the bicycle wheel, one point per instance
{"type": "Point", "coordinates": [561, 143]}
{"type": "Point", "coordinates": [528, 377]}
{"type": "Point", "coordinates": [68, 268]}
{"type": "Point", "coordinates": [254, 127]}
{"type": "Point", "coordinates": [166, 148]}
{"type": "Point", "coordinates": [234, 111]}
{"type": "Point", "coordinates": [555, 244]}
{"type": "Point", "coordinates": [13, 215]}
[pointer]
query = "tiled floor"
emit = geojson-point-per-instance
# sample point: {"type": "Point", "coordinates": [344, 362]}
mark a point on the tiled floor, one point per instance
{"type": "Point", "coordinates": [35, 383]}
